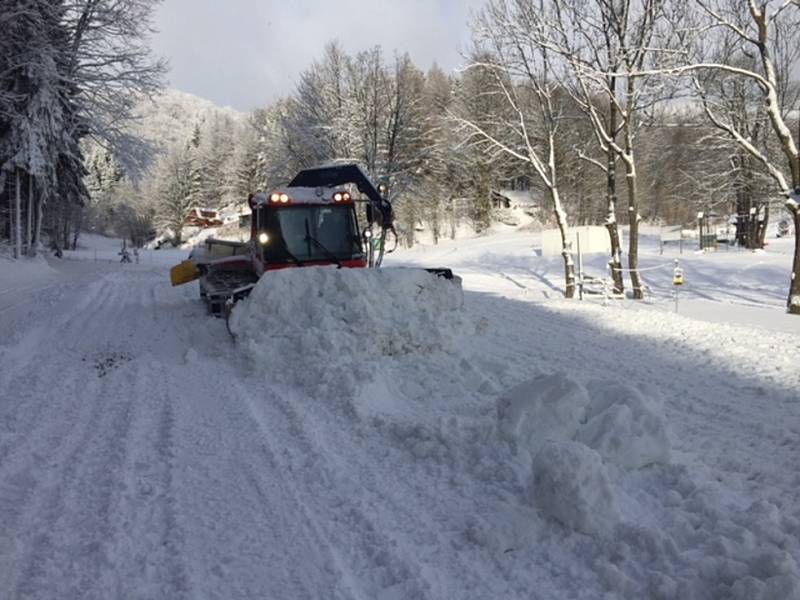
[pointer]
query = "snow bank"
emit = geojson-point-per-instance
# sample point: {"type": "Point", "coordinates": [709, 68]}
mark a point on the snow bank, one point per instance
{"type": "Point", "coordinates": [672, 534]}
{"type": "Point", "coordinates": [326, 322]}
{"type": "Point", "coordinates": [20, 272]}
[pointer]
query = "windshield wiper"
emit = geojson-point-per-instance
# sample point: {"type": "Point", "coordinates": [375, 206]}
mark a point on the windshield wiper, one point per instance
{"type": "Point", "coordinates": [282, 250]}
{"type": "Point", "coordinates": [328, 253]}
{"type": "Point", "coordinates": [296, 260]}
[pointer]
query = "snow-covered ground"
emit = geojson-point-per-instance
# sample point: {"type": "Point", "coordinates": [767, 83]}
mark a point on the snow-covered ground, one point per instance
{"type": "Point", "coordinates": [378, 435]}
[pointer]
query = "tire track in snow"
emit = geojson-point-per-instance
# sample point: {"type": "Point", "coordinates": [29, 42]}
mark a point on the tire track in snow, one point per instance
{"type": "Point", "coordinates": [35, 530]}
{"type": "Point", "coordinates": [46, 339]}
{"type": "Point", "coordinates": [57, 364]}
{"type": "Point", "coordinates": [351, 523]}
{"type": "Point", "coordinates": [252, 534]}
{"type": "Point", "coordinates": [269, 426]}
{"type": "Point", "coordinates": [27, 414]}
{"type": "Point", "coordinates": [72, 496]}
{"type": "Point", "coordinates": [152, 535]}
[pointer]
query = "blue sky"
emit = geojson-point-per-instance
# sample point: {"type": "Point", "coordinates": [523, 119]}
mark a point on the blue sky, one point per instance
{"type": "Point", "coordinates": [244, 53]}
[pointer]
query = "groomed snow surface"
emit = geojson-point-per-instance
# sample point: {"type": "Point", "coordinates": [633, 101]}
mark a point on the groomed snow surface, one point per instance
{"type": "Point", "coordinates": [386, 435]}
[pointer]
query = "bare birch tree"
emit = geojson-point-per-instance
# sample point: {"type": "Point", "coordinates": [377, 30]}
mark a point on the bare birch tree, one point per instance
{"type": "Point", "coordinates": [528, 124]}
{"type": "Point", "coordinates": [608, 46]}
{"type": "Point", "coordinates": [768, 32]}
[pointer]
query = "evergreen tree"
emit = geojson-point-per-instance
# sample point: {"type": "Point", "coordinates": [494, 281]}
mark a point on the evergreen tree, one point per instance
{"type": "Point", "coordinates": [176, 189]}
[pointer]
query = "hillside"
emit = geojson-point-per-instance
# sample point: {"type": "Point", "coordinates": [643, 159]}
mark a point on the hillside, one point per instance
{"type": "Point", "coordinates": [171, 117]}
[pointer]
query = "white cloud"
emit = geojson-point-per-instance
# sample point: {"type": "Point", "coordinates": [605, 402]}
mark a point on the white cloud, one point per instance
{"type": "Point", "coordinates": [244, 53]}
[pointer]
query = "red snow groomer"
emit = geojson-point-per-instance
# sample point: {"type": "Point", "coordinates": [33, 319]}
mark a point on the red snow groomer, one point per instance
{"type": "Point", "coordinates": [312, 221]}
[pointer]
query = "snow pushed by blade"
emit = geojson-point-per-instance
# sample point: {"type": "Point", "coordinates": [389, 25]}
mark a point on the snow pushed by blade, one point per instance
{"type": "Point", "coordinates": [571, 484]}
{"type": "Point", "coordinates": [575, 434]}
{"type": "Point", "coordinates": [319, 317]}
{"type": "Point", "coordinates": [627, 429]}
{"type": "Point", "coordinates": [549, 407]}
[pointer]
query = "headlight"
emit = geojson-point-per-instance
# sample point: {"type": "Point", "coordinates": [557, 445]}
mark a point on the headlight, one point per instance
{"type": "Point", "coordinates": [263, 238]}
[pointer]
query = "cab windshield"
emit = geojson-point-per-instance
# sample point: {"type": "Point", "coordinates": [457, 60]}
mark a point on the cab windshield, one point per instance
{"type": "Point", "coordinates": [305, 233]}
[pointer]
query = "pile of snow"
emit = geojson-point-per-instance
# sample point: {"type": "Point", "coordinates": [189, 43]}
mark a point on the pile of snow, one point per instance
{"type": "Point", "coordinates": [578, 437]}
{"type": "Point", "coordinates": [598, 462]}
{"type": "Point", "coordinates": [627, 429]}
{"type": "Point", "coordinates": [326, 322]}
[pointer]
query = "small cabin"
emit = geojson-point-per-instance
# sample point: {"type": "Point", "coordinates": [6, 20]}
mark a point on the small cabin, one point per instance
{"type": "Point", "coordinates": [203, 217]}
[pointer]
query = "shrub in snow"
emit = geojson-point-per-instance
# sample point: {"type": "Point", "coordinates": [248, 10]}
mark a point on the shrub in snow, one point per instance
{"type": "Point", "coordinates": [570, 484]}
{"type": "Point", "coordinates": [625, 428]}
{"type": "Point", "coordinates": [548, 407]}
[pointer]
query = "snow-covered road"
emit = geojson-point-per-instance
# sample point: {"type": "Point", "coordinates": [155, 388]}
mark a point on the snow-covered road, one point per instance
{"type": "Point", "coordinates": [135, 461]}
{"type": "Point", "coordinates": [144, 454]}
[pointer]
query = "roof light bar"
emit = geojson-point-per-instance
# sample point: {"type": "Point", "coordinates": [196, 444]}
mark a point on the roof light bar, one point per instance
{"type": "Point", "coordinates": [279, 198]}
{"type": "Point", "coordinates": [341, 197]}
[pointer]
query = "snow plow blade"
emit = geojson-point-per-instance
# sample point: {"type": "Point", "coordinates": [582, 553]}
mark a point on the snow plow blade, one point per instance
{"type": "Point", "coordinates": [183, 273]}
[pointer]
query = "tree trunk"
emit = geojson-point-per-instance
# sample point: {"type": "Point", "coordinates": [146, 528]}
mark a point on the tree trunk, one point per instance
{"type": "Point", "coordinates": [64, 226]}
{"type": "Point", "coordinates": [762, 228]}
{"type": "Point", "coordinates": [742, 213]}
{"type": "Point", "coordinates": [435, 221]}
{"type": "Point", "coordinates": [752, 226]}
{"type": "Point", "coordinates": [78, 225]}
{"type": "Point", "coordinates": [566, 245]}
{"type": "Point", "coordinates": [37, 234]}
{"type": "Point", "coordinates": [452, 218]}
{"type": "Point", "coordinates": [30, 215]}
{"type": "Point", "coordinates": [7, 228]}
{"type": "Point", "coordinates": [633, 242]}
{"type": "Point", "coordinates": [793, 303]}
{"type": "Point", "coordinates": [615, 264]}
{"type": "Point", "coordinates": [17, 218]}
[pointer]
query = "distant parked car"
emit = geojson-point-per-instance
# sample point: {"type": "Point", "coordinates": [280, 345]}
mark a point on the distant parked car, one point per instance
{"type": "Point", "coordinates": [783, 228]}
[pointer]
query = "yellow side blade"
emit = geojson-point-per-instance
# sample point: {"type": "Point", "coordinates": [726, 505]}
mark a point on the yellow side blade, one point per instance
{"type": "Point", "coordinates": [183, 273]}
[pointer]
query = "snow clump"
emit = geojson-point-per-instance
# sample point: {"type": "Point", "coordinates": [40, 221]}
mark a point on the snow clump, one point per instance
{"type": "Point", "coordinates": [627, 429]}
{"type": "Point", "coordinates": [548, 407]}
{"type": "Point", "coordinates": [580, 440]}
{"type": "Point", "coordinates": [570, 483]}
